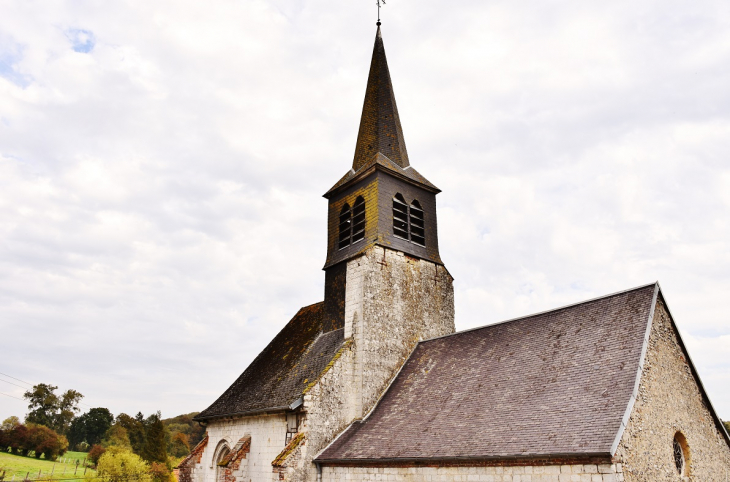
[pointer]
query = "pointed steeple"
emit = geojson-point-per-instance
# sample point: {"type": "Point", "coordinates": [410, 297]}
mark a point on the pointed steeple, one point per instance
{"type": "Point", "coordinates": [380, 129]}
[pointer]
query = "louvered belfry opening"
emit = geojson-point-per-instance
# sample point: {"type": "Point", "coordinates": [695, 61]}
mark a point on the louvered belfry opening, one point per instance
{"type": "Point", "coordinates": [408, 220]}
{"type": "Point", "coordinates": [345, 226]}
{"type": "Point", "coordinates": [358, 220]}
{"type": "Point", "coordinates": [352, 223]}
{"type": "Point", "coordinates": [418, 234]}
{"type": "Point", "coordinates": [400, 216]}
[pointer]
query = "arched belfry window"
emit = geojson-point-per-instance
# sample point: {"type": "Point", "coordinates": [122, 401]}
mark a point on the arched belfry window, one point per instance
{"type": "Point", "coordinates": [345, 226]}
{"type": "Point", "coordinates": [418, 235]}
{"type": "Point", "coordinates": [358, 220]}
{"type": "Point", "coordinates": [352, 223]}
{"type": "Point", "coordinates": [408, 221]}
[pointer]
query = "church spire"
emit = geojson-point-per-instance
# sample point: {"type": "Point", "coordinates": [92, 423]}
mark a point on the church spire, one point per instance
{"type": "Point", "coordinates": [380, 129]}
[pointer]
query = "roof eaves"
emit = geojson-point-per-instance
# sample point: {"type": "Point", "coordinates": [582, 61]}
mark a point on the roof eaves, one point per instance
{"type": "Point", "coordinates": [261, 411]}
{"type": "Point", "coordinates": [537, 313]}
{"type": "Point", "coordinates": [415, 460]}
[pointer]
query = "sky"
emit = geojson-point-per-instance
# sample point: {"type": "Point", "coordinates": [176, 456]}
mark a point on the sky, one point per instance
{"type": "Point", "coordinates": [162, 166]}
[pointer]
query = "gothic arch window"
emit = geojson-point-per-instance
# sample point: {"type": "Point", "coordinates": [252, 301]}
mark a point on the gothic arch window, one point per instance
{"type": "Point", "coordinates": [221, 453]}
{"type": "Point", "coordinates": [352, 223]}
{"type": "Point", "coordinates": [680, 451]}
{"type": "Point", "coordinates": [418, 234]}
{"type": "Point", "coordinates": [345, 226]}
{"type": "Point", "coordinates": [358, 220]}
{"type": "Point", "coordinates": [400, 216]}
{"type": "Point", "coordinates": [408, 220]}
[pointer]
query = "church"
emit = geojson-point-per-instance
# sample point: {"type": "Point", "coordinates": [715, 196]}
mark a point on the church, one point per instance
{"type": "Point", "coordinates": [375, 384]}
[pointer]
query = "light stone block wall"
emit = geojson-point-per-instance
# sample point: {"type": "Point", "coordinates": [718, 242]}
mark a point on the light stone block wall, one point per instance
{"type": "Point", "coordinates": [547, 473]}
{"type": "Point", "coordinates": [391, 302]}
{"type": "Point", "coordinates": [394, 301]}
{"type": "Point", "coordinates": [668, 401]}
{"type": "Point", "coordinates": [268, 434]}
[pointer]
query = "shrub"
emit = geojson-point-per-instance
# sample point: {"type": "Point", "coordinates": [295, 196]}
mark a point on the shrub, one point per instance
{"type": "Point", "coordinates": [120, 465]}
{"type": "Point", "coordinates": [160, 473]}
{"type": "Point", "coordinates": [95, 453]}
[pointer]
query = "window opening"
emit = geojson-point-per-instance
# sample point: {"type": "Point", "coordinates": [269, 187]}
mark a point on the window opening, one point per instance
{"type": "Point", "coordinates": [400, 216]}
{"type": "Point", "coordinates": [679, 455]}
{"type": "Point", "coordinates": [221, 471]}
{"type": "Point", "coordinates": [358, 220]}
{"type": "Point", "coordinates": [292, 426]}
{"type": "Point", "coordinates": [418, 234]}
{"type": "Point", "coordinates": [345, 226]}
{"type": "Point", "coordinates": [408, 221]}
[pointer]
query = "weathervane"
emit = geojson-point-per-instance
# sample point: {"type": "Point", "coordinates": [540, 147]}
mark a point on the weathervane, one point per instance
{"type": "Point", "coordinates": [379, 10]}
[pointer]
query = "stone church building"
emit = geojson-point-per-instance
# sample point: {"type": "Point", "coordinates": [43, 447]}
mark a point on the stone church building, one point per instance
{"type": "Point", "coordinates": [374, 384]}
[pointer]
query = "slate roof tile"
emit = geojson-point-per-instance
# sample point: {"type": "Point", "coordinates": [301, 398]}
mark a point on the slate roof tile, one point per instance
{"type": "Point", "coordinates": [280, 373]}
{"type": "Point", "coordinates": [552, 383]}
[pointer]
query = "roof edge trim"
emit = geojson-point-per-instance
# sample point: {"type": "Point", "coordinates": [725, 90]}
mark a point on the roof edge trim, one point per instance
{"type": "Point", "coordinates": [695, 374]}
{"type": "Point", "coordinates": [639, 372]}
{"type": "Point", "coordinates": [540, 312]}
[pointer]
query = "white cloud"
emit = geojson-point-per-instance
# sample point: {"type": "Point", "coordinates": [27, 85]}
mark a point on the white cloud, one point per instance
{"type": "Point", "coordinates": [161, 167]}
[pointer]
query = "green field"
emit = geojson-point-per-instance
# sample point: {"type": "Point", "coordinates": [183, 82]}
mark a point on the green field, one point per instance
{"type": "Point", "coordinates": [16, 467]}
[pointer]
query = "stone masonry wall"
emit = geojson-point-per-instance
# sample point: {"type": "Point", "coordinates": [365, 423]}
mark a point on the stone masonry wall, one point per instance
{"type": "Point", "coordinates": [549, 473]}
{"type": "Point", "coordinates": [268, 437]}
{"type": "Point", "coordinates": [669, 401]}
{"type": "Point", "coordinates": [392, 302]}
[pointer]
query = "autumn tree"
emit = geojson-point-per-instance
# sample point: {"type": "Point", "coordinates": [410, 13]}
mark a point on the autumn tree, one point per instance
{"type": "Point", "coordinates": [50, 410]}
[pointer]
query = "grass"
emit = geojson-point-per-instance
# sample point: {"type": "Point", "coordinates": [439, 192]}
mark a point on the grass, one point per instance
{"type": "Point", "coordinates": [17, 466]}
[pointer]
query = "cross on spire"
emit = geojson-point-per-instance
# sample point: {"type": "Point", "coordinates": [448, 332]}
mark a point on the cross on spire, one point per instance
{"type": "Point", "coordinates": [379, 9]}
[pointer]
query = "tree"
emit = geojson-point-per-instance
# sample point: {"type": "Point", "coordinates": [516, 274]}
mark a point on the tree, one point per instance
{"type": "Point", "coordinates": [10, 423]}
{"type": "Point", "coordinates": [117, 436]}
{"type": "Point", "coordinates": [179, 447]}
{"type": "Point", "coordinates": [135, 430]}
{"type": "Point", "coordinates": [119, 465]}
{"type": "Point", "coordinates": [155, 448]}
{"type": "Point", "coordinates": [44, 441]}
{"type": "Point", "coordinates": [48, 409]}
{"type": "Point", "coordinates": [90, 427]}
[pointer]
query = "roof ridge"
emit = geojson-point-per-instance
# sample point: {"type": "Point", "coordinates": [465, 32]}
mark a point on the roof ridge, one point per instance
{"type": "Point", "coordinates": [540, 312]}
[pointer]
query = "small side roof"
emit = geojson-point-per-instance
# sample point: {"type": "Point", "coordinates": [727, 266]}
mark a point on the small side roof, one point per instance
{"type": "Point", "coordinates": [279, 375]}
{"type": "Point", "coordinates": [552, 384]}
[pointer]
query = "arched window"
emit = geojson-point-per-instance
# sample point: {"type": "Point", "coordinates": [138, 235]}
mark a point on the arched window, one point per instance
{"type": "Point", "coordinates": [418, 235]}
{"type": "Point", "coordinates": [220, 469]}
{"type": "Point", "coordinates": [400, 216]}
{"type": "Point", "coordinates": [681, 453]}
{"type": "Point", "coordinates": [408, 221]}
{"type": "Point", "coordinates": [358, 220]}
{"type": "Point", "coordinates": [352, 223]}
{"type": "Point", "coordinates": [345, 226]}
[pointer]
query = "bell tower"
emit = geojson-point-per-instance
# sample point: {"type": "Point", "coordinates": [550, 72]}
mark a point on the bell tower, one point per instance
{"type": "Point", "coordinates": [384, 278]}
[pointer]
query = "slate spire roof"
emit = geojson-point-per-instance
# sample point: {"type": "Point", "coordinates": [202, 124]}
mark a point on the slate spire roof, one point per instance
{"type": "Point", "coordinates": [380, 129]}
{"type": "Point", "coordinates": [380, 141]}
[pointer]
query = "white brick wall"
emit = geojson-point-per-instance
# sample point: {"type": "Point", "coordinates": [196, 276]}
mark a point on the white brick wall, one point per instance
{"type": "Point", "coordinates": [549, 473]}
{"type": "Point", "coordinates": [268, 433]}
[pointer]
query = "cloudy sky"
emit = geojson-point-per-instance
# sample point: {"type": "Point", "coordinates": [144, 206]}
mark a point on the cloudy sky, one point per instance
{"type": "Point", "coordinates": [162, 165]}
